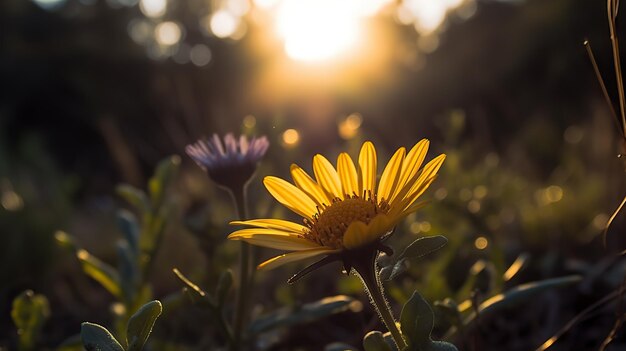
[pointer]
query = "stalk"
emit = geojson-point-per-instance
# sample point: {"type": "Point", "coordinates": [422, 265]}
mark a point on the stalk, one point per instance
{"type": "Point", "coordinates": [245, 276]}
{"type": "Point", "coordinates": [366, 270]}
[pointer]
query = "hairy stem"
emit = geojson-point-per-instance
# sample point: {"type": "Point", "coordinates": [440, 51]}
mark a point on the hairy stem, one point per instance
{"type": "Point", "coordinates": [366, 269]}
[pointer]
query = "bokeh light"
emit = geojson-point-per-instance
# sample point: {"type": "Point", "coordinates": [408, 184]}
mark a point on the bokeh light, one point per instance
{"type": "Point", "coordinates": [11, 201]}
{"type": "Point", "coordinates": [223, 24]}
{"type": "Point", "coordinates": [291, 137]}
{"type": "Point", "coordinates": [481, 243]}
{"type": "Point", "coordinates": [349, 127]}
{"type": "Point", "coordinates": [426, 15]}
{"type": "Point", "coordinates": [200, 55]}
{"type": "Point", "coordinates": [153, 8]}
{"type": "Point", "coordinates": [141, 31]}
{"type": "Point", "coordinates": [249, 121]}
{"type": "Point", "coordinates": [168, 33]}
{"type": "Point", "coordinates": [50, 4]}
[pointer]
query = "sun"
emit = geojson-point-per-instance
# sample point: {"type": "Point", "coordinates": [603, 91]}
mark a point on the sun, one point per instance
{"type": "Point", "coordinates": [319, 30]}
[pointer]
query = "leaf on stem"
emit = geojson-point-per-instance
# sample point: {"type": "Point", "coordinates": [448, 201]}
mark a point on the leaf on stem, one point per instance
{"type": "Point", "coordinates": [304, 314]}
{"type": "Point", "coordinates": [416, 322]}
{"type": "Point", "coordinates": [141, 323]}
{"type": "Point", "coordinates": [97, 338]}
{"type": "Point", "coordinates": [419, 248]}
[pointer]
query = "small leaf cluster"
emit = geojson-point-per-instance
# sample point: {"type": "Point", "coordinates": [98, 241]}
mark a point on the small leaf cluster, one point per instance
{"type": "Point", "coordinates": [97, 338]}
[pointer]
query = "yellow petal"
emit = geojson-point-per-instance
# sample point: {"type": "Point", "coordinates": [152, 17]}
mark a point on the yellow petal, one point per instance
{"type": "Point", "coordinates": [348, 175]}
{"type": "Point", "coordinates": [355, 236]}
{"type": "Point", "coordinates": [290, 196]}
{"type": "Point", "coordinates": [327, 176]}
{"type": "Point", "coordinates": [414, 207]}
{"type": "Point", "coordinates": [401, 206]}
{"type": "Point", "coordinates": [412, 184]}
{"type": "Point", "coordinates": [411, 165]}
{"type": "Point", "coordinates": [377, 227]}
{"type": "Point", "coordinates": [273, 239]}
{"type": "Point", "coordinates": [418, 192]}
{"type": "Point", "coordinates": [389, 179]}
{"type": "Point", "coordinates": [367, 168]}
{"type": "Point", "coordinates": [360, 234]}
{"type": "Point", "coordinates": [428, 172]}
{"type": "Point", "coordinates": [309, 186]}
{"type": "Point", "coordinates": [268, 223]}
{"type": "Point", "coordinates": [293, 256]}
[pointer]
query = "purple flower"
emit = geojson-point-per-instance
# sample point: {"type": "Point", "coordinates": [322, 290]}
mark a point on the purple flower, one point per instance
{"type": "Point", "coordinates": [231, 163]}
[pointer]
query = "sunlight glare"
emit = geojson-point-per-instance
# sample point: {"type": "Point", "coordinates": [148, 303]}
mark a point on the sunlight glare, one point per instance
{"type": "Point", "coordinates": [316, 30]}
{"type": "Point", "coordinates": [428, 15]}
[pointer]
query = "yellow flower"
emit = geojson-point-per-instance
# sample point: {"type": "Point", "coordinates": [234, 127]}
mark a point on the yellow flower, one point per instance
{"type": "Point", "coordinates": [344, 209]}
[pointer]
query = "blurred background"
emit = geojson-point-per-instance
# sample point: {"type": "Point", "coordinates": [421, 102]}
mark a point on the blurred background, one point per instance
{"type": "Point", "coordinates": [94, 93]}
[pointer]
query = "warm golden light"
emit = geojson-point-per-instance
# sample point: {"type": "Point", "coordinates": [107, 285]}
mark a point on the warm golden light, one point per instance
{"type": "Point", "coordinates": [427, 15]}
{"type": "Point", "coordinates": [249, 121]}
{"type": "Point", "coordinates": [11, 201]}
{"type": "Point", "coordinates": [317, 30]}
{"type": "Point", "coordinates": [349, 127]}
{"type": "Point", "coordinates": [291, 137]}
{"type": "Point", "coordinates": [481, 243]}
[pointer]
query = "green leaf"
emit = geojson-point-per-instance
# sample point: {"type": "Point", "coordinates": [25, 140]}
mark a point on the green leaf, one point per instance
{"type": "Point", "coordinates": [515, 296]}
{"type": "Point", "coordinates": [30, 311]}
{"type": "Point", "coordinates": [128, 270]}
{"type": "Point", "coordinates": [375, 341]}
{"type": "Point", "coordinates": [163, 174]}
{"type": "Point", "coordinates": [440, 346]}
{"type": "Point", "coordinates": [424, 246]}
{"type": "Point", "coordinates": [306, 313]}
{"type": "Point", "coordinates": [339, 346]}
{"type": "Point", "coordinates": [127, 223]}
{"type": "Point", "coordinates": [141, 323]}
{"type": "Point", "coordinates": [97, 338]}
{"type": "Point", "coordinates": [134, 196]}
{"type": "Point", "coordinates": [449, 311]}
{"type": "Point", "coordinates": [395, 269]}
{"type": "Point", "coordinates": [100, 271]}
{"type": "Point", "coordinates": [522, 293]}
{"type": "Point", "coordinates": [417, 321]}
{"type": "Point", "coordinates": [223, 286]}
{"type": "Point", "coordinates": [419, 248]}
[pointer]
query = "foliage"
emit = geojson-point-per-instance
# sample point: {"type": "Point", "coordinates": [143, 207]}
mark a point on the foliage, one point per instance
{"type": "Point", "coordinates": [97, 338]}
{"type": "Point", "coordinates": [30, 311]}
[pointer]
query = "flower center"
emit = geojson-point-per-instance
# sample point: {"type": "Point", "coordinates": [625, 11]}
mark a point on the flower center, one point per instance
{"type": "Point", "coordinates": [329, 225]}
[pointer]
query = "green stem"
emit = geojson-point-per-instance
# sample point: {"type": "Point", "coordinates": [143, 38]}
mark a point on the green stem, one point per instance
{"type": "Point", "coordinates": [366, 269]}
{"type": "Point", "coordinates": [245, 276]}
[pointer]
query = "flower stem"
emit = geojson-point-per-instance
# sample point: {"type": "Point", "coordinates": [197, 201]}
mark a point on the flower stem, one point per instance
{"type": "Point", "coordinates": [245, 276]}
{"type": "Point", "coordinates": [366, 269]}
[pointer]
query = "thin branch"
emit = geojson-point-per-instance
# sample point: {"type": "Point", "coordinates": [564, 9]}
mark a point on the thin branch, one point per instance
{"type": "Point", "coordinates": [612, 13]}
{"type": "Point", "coordinates": [605, 92]}
{"type": "Point", "coordinates": [608, 223]}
